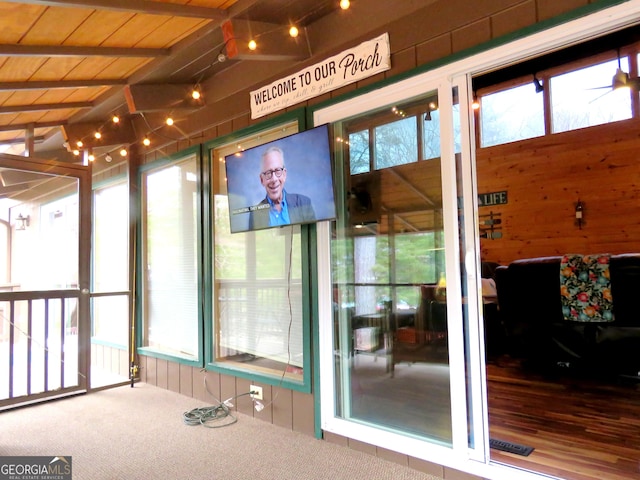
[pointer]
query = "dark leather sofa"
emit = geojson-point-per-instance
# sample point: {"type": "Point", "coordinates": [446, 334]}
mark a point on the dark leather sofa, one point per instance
{"type": "Point", "coordinates": [530, 311]}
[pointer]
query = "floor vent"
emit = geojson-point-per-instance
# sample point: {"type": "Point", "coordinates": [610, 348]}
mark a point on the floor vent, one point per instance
{"type": "Point", "coordinates": [510, 447]}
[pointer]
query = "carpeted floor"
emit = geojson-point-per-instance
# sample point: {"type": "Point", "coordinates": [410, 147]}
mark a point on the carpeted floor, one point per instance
{"type": "Point", "coordinates": [138, 433]}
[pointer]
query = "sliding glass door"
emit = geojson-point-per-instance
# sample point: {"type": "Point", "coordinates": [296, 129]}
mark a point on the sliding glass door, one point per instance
{"type": "Point", "coordinates": [401, 275]}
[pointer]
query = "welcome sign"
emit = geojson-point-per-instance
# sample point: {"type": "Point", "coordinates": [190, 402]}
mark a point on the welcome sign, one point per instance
{"type": "Point", "coordinates": [365, 60]}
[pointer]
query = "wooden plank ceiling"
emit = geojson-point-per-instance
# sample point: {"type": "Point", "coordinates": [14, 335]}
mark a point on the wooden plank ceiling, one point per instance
{"type": "Point", "coordinates": [61, 59]}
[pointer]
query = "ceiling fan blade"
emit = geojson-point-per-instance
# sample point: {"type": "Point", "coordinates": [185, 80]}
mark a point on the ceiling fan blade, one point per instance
{"type": "Point", "coordinates": [600, 96]}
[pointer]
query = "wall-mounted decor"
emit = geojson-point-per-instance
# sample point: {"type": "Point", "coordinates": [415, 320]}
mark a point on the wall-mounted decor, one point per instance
{"type": "Point", "coordinates": [490, 226]}
{"type": "Point", "coordinates": [579, 210]}
{"type": "Point", "coordinates": [365, 60]}
{"type": "Point", "coordinates": [492, 198]}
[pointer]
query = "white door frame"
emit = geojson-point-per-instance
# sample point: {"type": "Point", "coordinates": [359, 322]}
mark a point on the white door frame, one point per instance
{"type": "Point", "coordinates": [474, 461]}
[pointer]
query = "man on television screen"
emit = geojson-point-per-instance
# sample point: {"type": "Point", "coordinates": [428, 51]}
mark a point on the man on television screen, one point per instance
{"type": "Point", "coordinates": [279, 207]}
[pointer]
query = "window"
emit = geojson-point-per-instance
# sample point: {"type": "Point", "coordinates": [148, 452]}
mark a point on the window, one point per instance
{"type": "Point", "coordinates": [585, 97]}
{"type": "Point", "coordinates": [578, 97]}
{"type": "Point", "coordinates": [417, 258]}
{"type": "Point", "coordinates": [396, 143]}
{"type": "Point", "coordinates": [388, 255]}
{"type": "Point", "coordinates": [359, 152]}
{"type": "Point", "coordinates": [404, 135]}
{"type": "Point", "coordinates": [170, 258]}
{"type": "Point", "coordinates": [258, 289]}
{"type": "Point", "coordinates": [110, 273]}
{"type": "Point", "coordinates": [511, 115]}
{"type": "Point", "coordinates": [431, 134]}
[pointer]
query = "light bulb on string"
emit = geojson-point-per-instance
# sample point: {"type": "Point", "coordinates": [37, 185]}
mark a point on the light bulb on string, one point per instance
{"type": "Point", "coordinates": [195, 94]}
{"type": "Point", "coordinates": [293, 31]}
{"type": "Point", "coordinates": [91, 157]}
{"type": "Point", "coordinates": [123, 152]}
{"type": "Point", "coordinates": [98, 135]}
{"type": "Point", "coordinates": [146, 142]}
{"type": "Point", "coordinates": [76, 152]}
{"type": "Point", "coordinates": [115, 119]}
{"type": "Point", "coordinates": [169, 121]}
{"type": "Point", "coordinates": [344, 4]}
{"type": "Point", "coordinates": [79, 143]}
{"type": "Point", "coordinates": [252, 45]}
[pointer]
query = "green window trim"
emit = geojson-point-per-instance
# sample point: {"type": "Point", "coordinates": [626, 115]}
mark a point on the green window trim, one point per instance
{"type": "Point", "coordinates": [141, 349]}
{"type": "Point", "coordinates": [308, 266]}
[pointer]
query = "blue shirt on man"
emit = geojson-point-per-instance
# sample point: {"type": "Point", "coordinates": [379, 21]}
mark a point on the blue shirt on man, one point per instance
{"type": "Point", "coordinates": [279, 217]}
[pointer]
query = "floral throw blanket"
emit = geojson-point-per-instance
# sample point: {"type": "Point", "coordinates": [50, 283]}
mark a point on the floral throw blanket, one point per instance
{"type": "Point", "coordinates": [585, 288]}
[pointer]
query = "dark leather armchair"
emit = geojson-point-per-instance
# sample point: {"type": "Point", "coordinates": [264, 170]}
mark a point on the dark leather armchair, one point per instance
{"type": "Point", "coordinates": [531, 310]}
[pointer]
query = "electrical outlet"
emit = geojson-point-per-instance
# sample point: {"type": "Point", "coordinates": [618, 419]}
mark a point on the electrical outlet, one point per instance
{"type": "Point", "coordinates": [257, 392]}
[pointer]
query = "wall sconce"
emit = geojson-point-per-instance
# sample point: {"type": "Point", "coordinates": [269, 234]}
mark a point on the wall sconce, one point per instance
{"type": "Point", "coordinates": [22, 222]}
{"type": "Point", "coordinates": [579, 212]}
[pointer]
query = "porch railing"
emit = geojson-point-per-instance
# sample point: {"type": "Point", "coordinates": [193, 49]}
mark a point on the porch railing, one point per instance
{"type": "Point", "coordinates": [38, 345]}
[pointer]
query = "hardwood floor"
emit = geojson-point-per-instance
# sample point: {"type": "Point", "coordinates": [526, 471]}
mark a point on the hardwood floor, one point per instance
{"type": "Point", "coordinates": [581, 427]}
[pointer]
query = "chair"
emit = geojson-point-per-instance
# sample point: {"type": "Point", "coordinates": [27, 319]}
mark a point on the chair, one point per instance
{"type": "Point", "coordinates": [432, 315]}
{"type": "Point", "coordinates": [437, 323]}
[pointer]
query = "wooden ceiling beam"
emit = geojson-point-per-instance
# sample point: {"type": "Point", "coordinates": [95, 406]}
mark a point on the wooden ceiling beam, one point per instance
{"type": "Point", "coordinates": [16, 141]}
{"type": "Point", "coordinates": [160, 97]}
{"type": "Point", "coordinates": [136, 6]}
{"type": "Point", "coordinates": [51, 85]}
{"type": "Point", "coordinates": [41, 107]}
{"type": "Point", "coordinates": [26, 126]}
{"type": "Point", "coordinates": [75, 51]}
{"type": "Point", "coordinates": [122, 133]}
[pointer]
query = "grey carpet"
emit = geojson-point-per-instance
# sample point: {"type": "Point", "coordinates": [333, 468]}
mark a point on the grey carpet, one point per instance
{"type": "Point", "coordinates": [138, 433]}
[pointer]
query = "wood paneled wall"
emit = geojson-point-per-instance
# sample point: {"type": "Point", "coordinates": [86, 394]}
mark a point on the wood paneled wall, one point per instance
{"type": "Point", "coordinates": [544, 179]}
{"type": "Point", "coordinates": [283, 407]}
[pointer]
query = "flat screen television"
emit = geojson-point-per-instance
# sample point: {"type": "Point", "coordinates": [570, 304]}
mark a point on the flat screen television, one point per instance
{"type": "Point", "coordinates": [298, 165]}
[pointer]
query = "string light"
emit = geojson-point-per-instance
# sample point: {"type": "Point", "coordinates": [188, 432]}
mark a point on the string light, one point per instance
{"type": "Point", "coordinates": [475, 104]}
{"type": "Point", "coordinates": [196, 94]}
{"type": "Point", "coordinates": [398, 112]}
{"type": "Point", "coordinates": [91, 157]}
{"type": "Point", "coordinates": [344, 4]}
